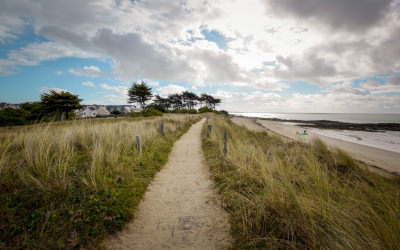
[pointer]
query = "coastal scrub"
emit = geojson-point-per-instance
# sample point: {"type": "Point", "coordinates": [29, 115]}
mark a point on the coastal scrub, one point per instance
{"type": "Point", "coordinates": [287, 194]}
{"type": "Point", "coordinates": [69, 184]}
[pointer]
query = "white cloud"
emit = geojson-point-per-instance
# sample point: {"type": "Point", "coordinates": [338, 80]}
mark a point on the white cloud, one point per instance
{"type": "Point", "coordinates": [346, 88]}
{"type": "Point", "coordinates": [170, 89]}
{"type": "Point", "coordinates": [59, 72]}
{"type": "Point", "coordinates": [392, 86]}
{"type": "Point", "coordinates": [88, 84]}
{"type": "Point", "coordinates": [121, 90]}
{"type": "Point", "coordinates": [270, 43]}
{"type": "Point", "coordinates": [35, 53]}
{"type": "Point", "coordinates": [370, 84]}
{"type": "Point", "coordinates": [149, 82]}
{"type": "Point", "coordinates": [47, 90]}
{"type": "Point", "coordinates": [89, 71]}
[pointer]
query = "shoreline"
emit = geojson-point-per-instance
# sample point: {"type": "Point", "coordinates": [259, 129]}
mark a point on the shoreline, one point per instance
{"type": "Point", "coordinates": [327, 124]}
{"type": "Point", "coordinates": [377, 158]}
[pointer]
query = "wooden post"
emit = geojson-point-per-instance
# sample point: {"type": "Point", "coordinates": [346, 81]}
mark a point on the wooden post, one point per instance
{"type": "Point", "coordinates": [162, 128]}
{"type": "Point", "coordinates": [207, 119]}
{"type": "Point", "coordinates": [210, 127]}
{"type": "Point", "coordinates": [138, 145]}
{"type": "Point", "coordinates": [179, 124]}
{"type": "Point", "coordinates": [225, 144]}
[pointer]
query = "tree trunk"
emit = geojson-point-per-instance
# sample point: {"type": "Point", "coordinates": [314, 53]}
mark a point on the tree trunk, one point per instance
{"type": "Point", "coordinates": [66, 115]}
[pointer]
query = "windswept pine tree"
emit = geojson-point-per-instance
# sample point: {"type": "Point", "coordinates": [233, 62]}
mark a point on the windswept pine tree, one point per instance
{"type": "Point", "coordinates": [140, 93]}
{"type": "Point", "coordinates": [60, 102]}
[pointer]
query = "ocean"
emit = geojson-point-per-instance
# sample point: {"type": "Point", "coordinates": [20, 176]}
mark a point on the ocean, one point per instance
{"type": "Point", "coordinates": [387, 140]}
{"type": "Point", "coordinates": [340, 117]}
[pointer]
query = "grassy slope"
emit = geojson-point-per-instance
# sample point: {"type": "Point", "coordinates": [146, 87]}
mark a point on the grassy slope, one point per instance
{"type": "Point", "coordinates": [292, 195]}
{"type": "Point", "coordinates": [69, 185]}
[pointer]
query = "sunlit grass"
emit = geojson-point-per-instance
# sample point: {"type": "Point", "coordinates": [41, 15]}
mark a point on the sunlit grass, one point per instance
{"type": "Point", "coordinates": [68, 184]}
{"type": "Point", "coordinates": [292, 195]}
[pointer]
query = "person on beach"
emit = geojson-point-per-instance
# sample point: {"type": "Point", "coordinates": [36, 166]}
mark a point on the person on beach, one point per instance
{"type": "Point", "coordinates": [302, 133]}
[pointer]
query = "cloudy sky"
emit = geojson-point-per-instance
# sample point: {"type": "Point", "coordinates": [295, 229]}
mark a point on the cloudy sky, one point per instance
{"type": "Point", "coordinates": [256, 55]}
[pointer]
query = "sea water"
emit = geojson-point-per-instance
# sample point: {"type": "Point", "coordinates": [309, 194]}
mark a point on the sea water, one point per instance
{"type": "Point", "coordinates": [340, 117]}
{"type": "Point", "coordinates": [387, 140]}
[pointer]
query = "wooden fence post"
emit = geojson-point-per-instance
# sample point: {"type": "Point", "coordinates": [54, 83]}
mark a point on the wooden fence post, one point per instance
{"type": "Point", "coordinates": [225, 144]}
{"type": "Point", "coordinates": [138, 145]}
{"type": "Point", "coordinates": [209, 130]}
{"type": "Point", "coordinates": [179, 124]}
{"type": "Point", "coordinates": [162, 128]}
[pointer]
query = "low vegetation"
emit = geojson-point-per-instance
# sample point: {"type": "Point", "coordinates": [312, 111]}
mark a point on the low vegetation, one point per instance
{"type": "Point", "coordinates": [69, 184]}
{"type": "Point", "coordinates": [283, 194]}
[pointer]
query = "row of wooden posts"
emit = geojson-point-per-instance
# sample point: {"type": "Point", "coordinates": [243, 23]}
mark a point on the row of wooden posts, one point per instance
{"type": "Point", "coordinates": [209, 131]}
{"type": "Point", "coordinates": [162, 129]}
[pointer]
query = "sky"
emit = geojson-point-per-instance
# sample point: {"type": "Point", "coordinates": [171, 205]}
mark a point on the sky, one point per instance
{"type": "Point", "coordinates": [256, 55]}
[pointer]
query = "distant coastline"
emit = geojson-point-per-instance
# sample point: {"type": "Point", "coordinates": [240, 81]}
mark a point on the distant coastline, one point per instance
{"type": "Point", "coordinates": [375, 126]}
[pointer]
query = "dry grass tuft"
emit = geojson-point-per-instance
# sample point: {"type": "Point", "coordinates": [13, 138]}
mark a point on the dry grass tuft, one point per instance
{"type": "Point", "coordinates": [67, 184]}
{"type": "Point", "coordinates": [293, 195]}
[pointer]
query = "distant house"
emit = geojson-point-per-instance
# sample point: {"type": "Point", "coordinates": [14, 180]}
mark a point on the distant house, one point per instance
{"type": "Point", "coordinates": [136, 110]}
{"type": "Point", "coordinates": [125, 109]}
{"type": "Point", "coordinates": [92, 111]}
{"type": "Point", "coordinates": [4, 105]}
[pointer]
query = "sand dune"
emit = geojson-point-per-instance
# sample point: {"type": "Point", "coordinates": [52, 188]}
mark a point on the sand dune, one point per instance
{"type": "Point", "coordinates": [382, 159]}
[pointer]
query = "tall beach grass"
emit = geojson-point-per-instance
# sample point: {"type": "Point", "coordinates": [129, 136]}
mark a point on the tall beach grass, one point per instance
{"type": "Point", "coordinates": [286, 194]}
{"type": "Point", "coordinates": [69, 184]}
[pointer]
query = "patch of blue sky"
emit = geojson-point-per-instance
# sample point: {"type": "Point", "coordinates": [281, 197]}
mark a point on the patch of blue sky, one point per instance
{"type": "Point", "coordinates": [216, 37]}
{"type": "Point", "coordinates": [269, 63]}
{"type": "Point", "coordinates": [302, 87]}
{"type": "Point", "coordinates": [379, 78]}
{"type": "Point", "coordinates": [23, 39]}
{"type": "Point", "coordinates": [27, 85]}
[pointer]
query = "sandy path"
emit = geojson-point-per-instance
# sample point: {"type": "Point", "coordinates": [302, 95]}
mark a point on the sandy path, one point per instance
{"type": "Point", "coordinates": [386, 160]}
{"type": "Point", "coordinates": [180, 209]}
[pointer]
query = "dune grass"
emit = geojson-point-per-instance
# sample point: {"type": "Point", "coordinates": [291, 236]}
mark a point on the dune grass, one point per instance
{"type": "Point", "coordinates": [69, 184]}
{"type": "Point", "coordinates": [294, 195]}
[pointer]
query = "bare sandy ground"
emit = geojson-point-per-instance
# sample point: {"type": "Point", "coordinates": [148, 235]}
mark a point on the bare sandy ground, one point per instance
{"type": "Point", "coordinates": [383, 159]}
{"type": "Point", "coordinates": [180, 209]}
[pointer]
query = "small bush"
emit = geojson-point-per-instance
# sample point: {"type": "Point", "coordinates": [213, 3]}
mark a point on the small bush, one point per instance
{"type": "Point", "coordinates": [11, 116]}
{"type": "Point", "coordinates": [152, 112]}
{"type": "Point", "coordinates": [116, 112]}
{"type": "Point", "coordinates": [158, 107]}
{"type": "Point", "coordinates": [222, 112]}
{"type": "Point", "coordinates": [135, 114]}
{"type": "Point", "coordinates": [184, 111]}
{"type": "Point", "coordinates": [205, 110]}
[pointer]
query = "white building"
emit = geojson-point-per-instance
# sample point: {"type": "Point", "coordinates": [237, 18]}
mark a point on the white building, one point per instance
{"type": "Point", "coordinates": [92, 111]}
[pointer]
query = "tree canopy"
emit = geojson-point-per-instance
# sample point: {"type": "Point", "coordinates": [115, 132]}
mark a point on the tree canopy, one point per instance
{"type": "Point", "coordinates": [210, 101]}
{"type": "Point", "coordinates": [60, 102]}
{"type": "Point", "coordinates": [139, 93]}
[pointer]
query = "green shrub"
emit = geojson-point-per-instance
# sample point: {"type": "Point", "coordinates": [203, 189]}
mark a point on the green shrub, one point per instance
{"type": "Point", "coordinates": [158, 107]}
{"type": "Point", "coordinates": [116, 112]}
{"type": "Point", "coordinates": [11, 116]}
{"type": "Point", "coordinates": [152, 112]}
{"type": "Point", "coordinates": [222, 112]}
{"type": "Point", "coordinates": [205, 110]}
{"type": "Point", "coordinates": [184, 111]}
{"type": "Point", "coordinates": [135, 114]}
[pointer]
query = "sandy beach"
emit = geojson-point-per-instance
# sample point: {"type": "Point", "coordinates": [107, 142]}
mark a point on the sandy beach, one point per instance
{"type": "Point", "coordinates": [379, 158]}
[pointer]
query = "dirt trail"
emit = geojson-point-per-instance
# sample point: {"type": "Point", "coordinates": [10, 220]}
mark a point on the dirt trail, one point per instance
{"type": "Point", "coordinates": [180, 209]}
